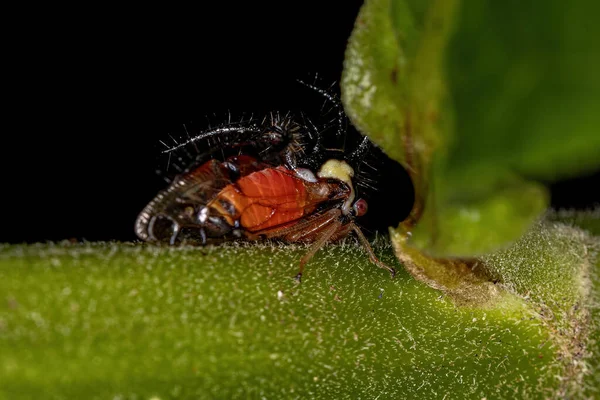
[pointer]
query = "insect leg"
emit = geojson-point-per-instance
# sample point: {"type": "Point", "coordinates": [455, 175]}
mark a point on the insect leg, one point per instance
{"type": "Point", "coordinates": [176, 229]}
{"type": "Point", "coordinates": [370, 252]}
{"type": "Point", "coordinates": [321, 240]}
{"type": "Point", "coordinates": [202, 236]}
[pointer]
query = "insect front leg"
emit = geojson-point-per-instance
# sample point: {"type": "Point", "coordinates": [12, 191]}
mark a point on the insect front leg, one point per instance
{"type": "Point", "coordinates": [370, 251]}
{"type": "Point", "coordinates": [317, 229]}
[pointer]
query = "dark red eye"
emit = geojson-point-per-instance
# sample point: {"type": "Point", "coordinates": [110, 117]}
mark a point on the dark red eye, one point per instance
{"type": "Point", "coordinates": [360, 207]}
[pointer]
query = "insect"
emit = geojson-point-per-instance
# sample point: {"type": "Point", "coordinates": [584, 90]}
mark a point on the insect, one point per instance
{"type": "Point", "coordinates": [273, 179]}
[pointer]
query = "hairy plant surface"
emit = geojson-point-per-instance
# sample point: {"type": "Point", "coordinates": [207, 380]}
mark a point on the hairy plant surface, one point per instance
{"type": "Point", "coordinates": [118, 320]}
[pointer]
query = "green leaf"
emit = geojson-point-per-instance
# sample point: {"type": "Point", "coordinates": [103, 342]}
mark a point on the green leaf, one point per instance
{"type": "Point", "coordinates": [525, 86]}
{"type": "Point", "coordinates": [136, 321]}
{"type": "Point", "coordinates": [392, 83]}
{"type": "Point", "coordinates": [475, 98]}
{"type": "Point", "coordinates": [475, 217]}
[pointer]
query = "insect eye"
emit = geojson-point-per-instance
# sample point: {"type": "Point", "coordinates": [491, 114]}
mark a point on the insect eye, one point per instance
{"type": "Point", "coordinates": [360, 207]}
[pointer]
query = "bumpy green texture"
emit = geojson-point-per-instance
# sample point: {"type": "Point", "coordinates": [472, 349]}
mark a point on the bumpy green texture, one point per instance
{"type": "Point", "coordinates": [554, 268]}
{"type": "Point", "coordinates": [134, 321]}
{"type": "Point", "coordinates": [592, 379]}
{"type": "Point", "coordinates": [589, 221]}
{"type": "Point", "coordinates": [476, 98]}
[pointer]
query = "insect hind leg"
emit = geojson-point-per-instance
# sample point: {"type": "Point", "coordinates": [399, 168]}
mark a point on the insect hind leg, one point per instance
{"type": "Point", "coordinates": [161, 228]}
{"type": "Point", "coordinates": [329, 232]}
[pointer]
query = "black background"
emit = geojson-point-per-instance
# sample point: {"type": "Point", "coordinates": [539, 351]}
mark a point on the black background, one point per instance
{"type": "Point", "coordinates": [91, 91]}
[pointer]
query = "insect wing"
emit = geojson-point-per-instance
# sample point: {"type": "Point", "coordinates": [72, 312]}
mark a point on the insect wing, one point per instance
{"type": "Point", "coordinates": [177, 207]}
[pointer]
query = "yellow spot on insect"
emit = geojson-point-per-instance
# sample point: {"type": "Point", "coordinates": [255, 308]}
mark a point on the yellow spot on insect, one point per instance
{"type": "Point", "coordinates": [337, 169]}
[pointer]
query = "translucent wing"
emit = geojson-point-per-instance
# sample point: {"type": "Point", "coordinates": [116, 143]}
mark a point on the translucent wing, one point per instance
{"type": "Point", "coordinates": [178, 206]}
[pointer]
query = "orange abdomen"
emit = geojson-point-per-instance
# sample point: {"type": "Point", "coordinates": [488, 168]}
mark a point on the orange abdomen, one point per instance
{"type": "Point", "coordinates": [264, 199]}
